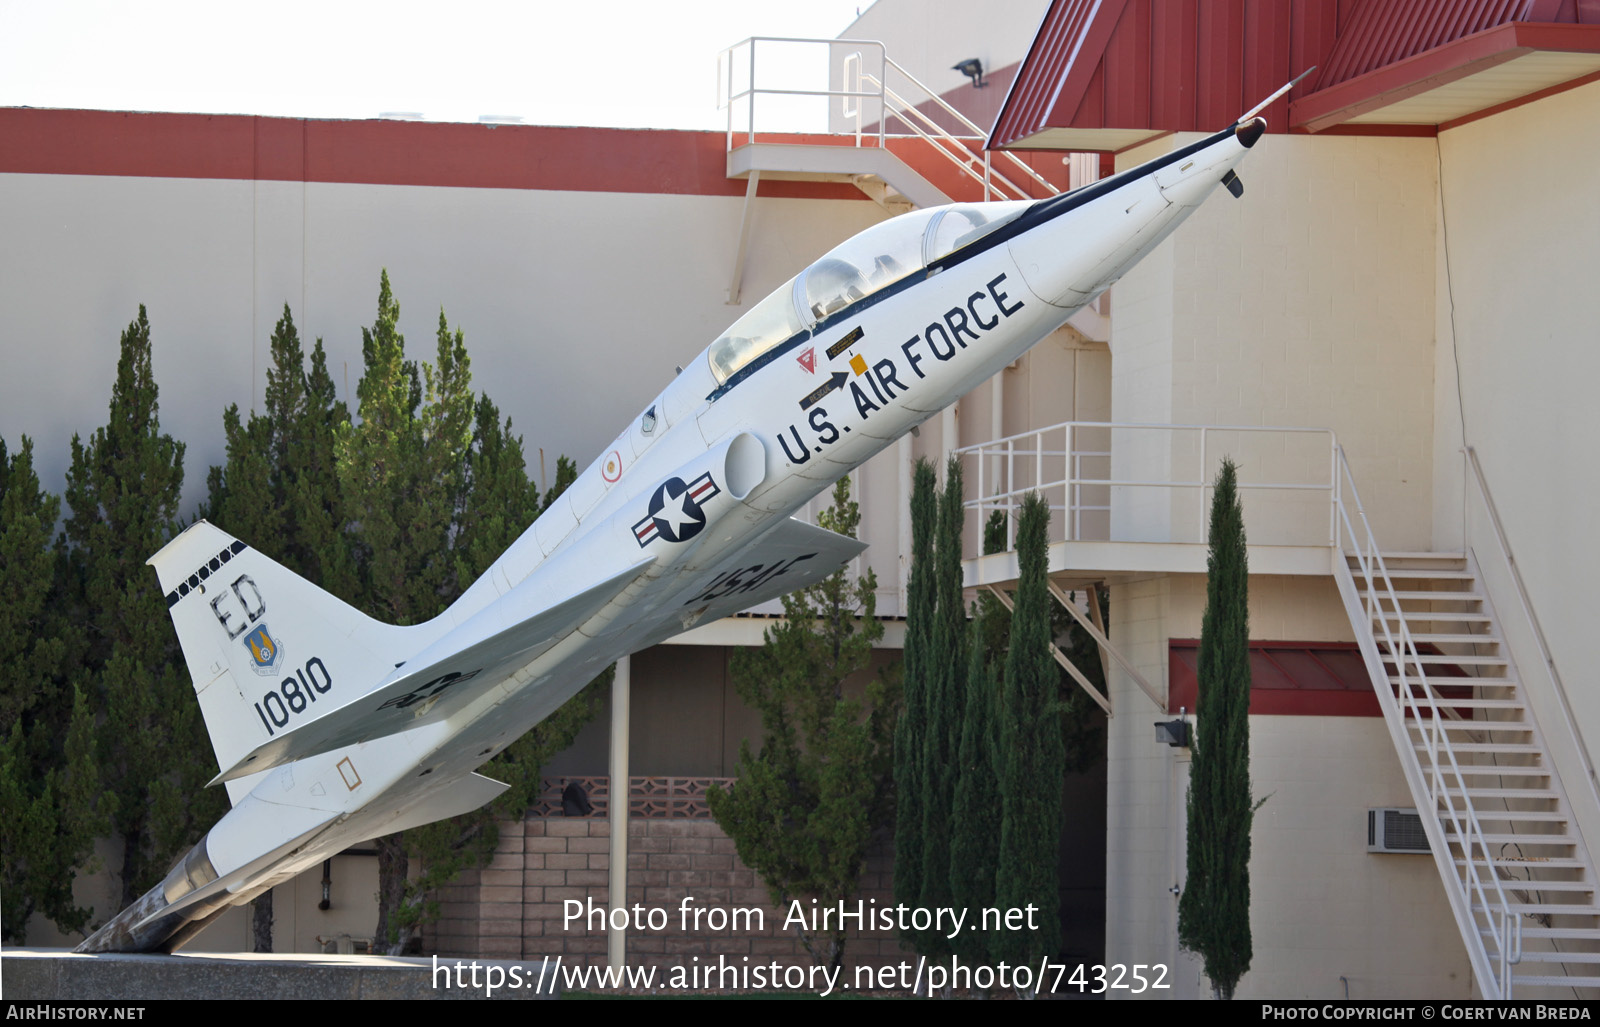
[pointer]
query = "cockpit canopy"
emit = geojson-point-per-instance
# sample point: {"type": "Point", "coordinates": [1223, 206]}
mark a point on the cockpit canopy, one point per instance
{"type": "Point", "coordinates": [852, 271]}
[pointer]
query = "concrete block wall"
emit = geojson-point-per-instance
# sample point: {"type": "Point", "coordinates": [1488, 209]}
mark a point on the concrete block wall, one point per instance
{"type": "Point", "coordinates": [513, 908]}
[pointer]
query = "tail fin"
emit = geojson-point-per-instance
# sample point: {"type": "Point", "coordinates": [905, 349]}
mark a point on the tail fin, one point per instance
{"type": "Point", "coordinates": [267, 650]}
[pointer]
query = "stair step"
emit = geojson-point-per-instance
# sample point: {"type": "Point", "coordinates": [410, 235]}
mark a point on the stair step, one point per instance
{"type": "Point", "coordinates": [1417, 555]}
{"type": "Point", "coordinates": [1440, 616]}
{"type": "Point", "coordinates": [1453, 728]}
{"type": "Point", "coordinates": [1421, 573]}
{"type": "Point", "coordinates": [1457, 725]}
{"type": "Point", "coordinates": [1443, 659]}
{"type": "Point", "coordinates": [1555, 934]}
{"type": "Point", "coordinates": [1543, 841]}
{"type": "Point", "coordinates": [1449, 596]}
{"type": "Point", "coordinates": [1439, 682]}
{"type": "Point", "coordinates": [1451, 702]}
{"type": "Point", "coordinates": [1540, 794]}
{"type": "Point", "coordinates": [1492, 748]}
{"type": "Point", "coordinates": [1517, 816]}
{"type": "Point", "coordinates": [1546, 909]}
{"type": "Point", "coordinates": [1559, 957]}
{"type": "Point", "coordinates": [1518, 980]}
{"type": "Point", "coordinates": [1533, 863]}
{"type": "Point", "coordinates": [1486, 770]}
{"type": "Point", "coordinates": [1572, 887]}
{"type": "Point", "coordinates": [1447, 639]}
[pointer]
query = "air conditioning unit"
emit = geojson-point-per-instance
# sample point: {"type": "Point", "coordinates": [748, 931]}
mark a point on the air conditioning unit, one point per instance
{"type": "Point", "coordinates": [1396, 830]}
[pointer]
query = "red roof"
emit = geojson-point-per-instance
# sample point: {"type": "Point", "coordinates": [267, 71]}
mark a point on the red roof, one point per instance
{"type": "Point", "coordinates": [1113, 72]}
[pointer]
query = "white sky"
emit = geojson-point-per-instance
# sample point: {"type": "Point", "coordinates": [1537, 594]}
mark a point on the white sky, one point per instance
{"type": "Point", "coordinates": [621, 63]}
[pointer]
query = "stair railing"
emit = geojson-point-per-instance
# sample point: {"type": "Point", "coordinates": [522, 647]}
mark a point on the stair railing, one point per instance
{"type": "Point", "coordinates": [1502, 547]}
{"type": "Point", "coordinates": [861, 84]}
{"type": "Point", "coordinates": [1414, 696]}
{"type": "Point", "coordinates": [947, 143]}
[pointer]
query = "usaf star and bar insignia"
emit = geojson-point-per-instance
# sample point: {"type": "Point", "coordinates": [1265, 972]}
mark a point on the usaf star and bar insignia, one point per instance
{"type": "Point", "coordinates": [675, 510]}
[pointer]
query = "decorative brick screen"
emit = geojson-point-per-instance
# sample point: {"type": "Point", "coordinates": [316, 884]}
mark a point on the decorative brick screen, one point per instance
{"type": "Point", "coordinates": [669, 798]}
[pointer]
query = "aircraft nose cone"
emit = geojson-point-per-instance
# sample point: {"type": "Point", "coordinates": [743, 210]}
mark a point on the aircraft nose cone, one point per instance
{"type": "Point", "coordinates": [1250, 131]}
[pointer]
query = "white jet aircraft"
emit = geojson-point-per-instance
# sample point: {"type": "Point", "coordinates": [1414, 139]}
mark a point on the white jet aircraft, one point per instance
{"type": "Point", "coordinates": [332, 728]}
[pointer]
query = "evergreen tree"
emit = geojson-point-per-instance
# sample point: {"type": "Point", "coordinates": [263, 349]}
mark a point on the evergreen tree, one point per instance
{"type": "Point", "coordinates": [498, 503]}
{"type": "Point", "coordinates": [278, 490]}
{"type": "Point", "coordinates": [1214, 910]}
{"type": "Point", "coordinates": [975, 828]}
{"type": "Point", "coordinates": [910, 735]}
{"type": "Point", "coordinates": [49, 784]}
{"type": "Point", "coordinates": [946, 698]}
{"type": "Point", "coordinates": [804, 807]}
{"type": "Point", "coordinates": [1030, 734]}
{"type": "Point", "coordinates": [123, 489]}
{"type": "Point", "coordinates": [433, 489]}
{"type": "Point", "coordinates": [402, 470]}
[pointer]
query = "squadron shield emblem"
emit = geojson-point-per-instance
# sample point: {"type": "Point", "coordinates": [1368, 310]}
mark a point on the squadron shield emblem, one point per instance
{"type": "Point", "coordinates": [266, 655]}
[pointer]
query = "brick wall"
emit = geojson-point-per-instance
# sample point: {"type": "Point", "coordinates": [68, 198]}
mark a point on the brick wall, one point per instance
{"type": "Point", "coordinates": [513, 907]}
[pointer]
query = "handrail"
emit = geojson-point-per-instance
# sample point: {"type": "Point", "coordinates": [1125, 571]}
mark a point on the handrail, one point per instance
{"type": "Point", "coordinates": [942, 140]}
{"type": "Point", "coordinates": [890, 105]}
{"type": "Point", "coordinates": [972, 127]}
{"type": "Point", "coordinates": [1504, 546]}
{"type": "Point", "coordinates": [1027, 452]}
{"type": "Point", "coordinates": [1503, 925]}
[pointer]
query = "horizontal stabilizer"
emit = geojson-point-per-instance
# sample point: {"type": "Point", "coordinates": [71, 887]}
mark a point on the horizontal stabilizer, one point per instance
{"type": "Point", "coordinates": [792, 555]}
{"type": "Point", "coordinates": [471, 792]}
{"type": "Point", "coordinates": [449, 674]}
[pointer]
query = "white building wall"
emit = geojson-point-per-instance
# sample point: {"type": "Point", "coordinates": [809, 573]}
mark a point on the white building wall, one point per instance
{"type": "Point", "coordinates": [1308, 302]}
{"type": "Point", "coordinates": [926, 37]}
{"type": "Point", "coordinates": [1328, 919]}
{"type": "Point", "coordinates": [1519, 343]}
{"type": "Point", "coordinates": [576, 306]}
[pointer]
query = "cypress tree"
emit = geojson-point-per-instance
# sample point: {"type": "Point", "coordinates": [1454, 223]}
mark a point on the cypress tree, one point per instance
{"type": "Point", "coordinates": [1214, 910]}
{"type": "Point", "coordinates": [975, 829]}
{"type": "Point", "coordinates": [946, 697]}
{"type": "Point", "coordinates": [975, 826]}
{"type": "Point", "coordinates": [1033, 760]}
{"type": "Point", "coordinates": [49, 783]}
{"type": "Point", "coordinates": [804, 807]}
{"type": "Point", "coordinates": [123, 488]}
{"type": "Point", "coordinates": [910, 735]}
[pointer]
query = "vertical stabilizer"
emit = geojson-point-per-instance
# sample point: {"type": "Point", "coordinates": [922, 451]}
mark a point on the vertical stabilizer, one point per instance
{"type": "Point", "coordinates": [267, 650]}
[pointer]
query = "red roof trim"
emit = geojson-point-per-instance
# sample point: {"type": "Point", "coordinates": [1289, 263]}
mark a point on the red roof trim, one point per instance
{"type": "Point", "coordinates": [1435, 68]}
{"type": "Point", "coordinates": [1190, 65]}
{"type": "Point", "coordinates": [114, 143]}
{"type": "Point", "coordinates": [1083, 61]}
{"type": "Point", "coordinates": [1059, 48]}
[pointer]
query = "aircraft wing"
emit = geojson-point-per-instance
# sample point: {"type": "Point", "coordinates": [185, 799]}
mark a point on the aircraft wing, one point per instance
{"type": "Point", "coordinates": [445, 676]}
{"type": "Point", "coordinates": [792, 555]}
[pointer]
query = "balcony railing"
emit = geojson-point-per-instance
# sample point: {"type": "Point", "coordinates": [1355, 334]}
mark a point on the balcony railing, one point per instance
{"type": "Point", "coordinates": [1125, 482]}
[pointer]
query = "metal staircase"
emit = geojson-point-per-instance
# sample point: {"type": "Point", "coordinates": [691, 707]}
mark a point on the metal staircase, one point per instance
{"type": "Point", "coordinates": [875, 107]}
{"type": "Point", "coordinates": [1516, 870]}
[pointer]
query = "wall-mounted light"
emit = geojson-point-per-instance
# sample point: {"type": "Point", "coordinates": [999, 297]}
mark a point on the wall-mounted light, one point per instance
{"type": "Point", "coordinates": [973, 69]}
{"type": "Point", "coordinates": [1173, 732]}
